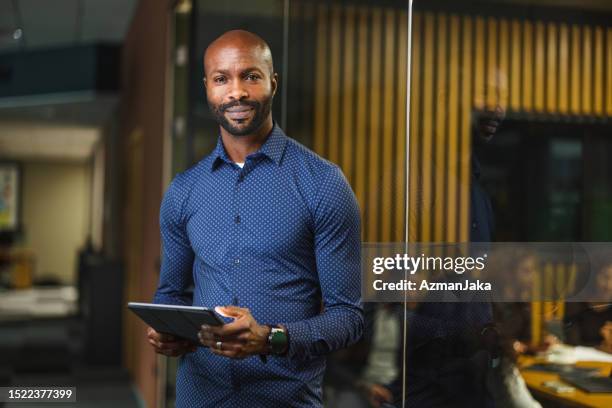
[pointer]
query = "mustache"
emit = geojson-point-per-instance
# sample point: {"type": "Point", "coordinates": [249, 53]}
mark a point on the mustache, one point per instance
{"type": "Point", "coordinates": [252, 104]}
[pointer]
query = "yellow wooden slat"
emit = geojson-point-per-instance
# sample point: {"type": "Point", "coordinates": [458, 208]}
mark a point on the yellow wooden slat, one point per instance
{"type": "Point", "coordinates": [453, 131]}
{"type": "Point", "coordinates": [361, 116]}
{"type": "Point", "coordinates": [609, 72]}
{"type": "Point", "coordinates": [587, 73]}
{"type": "Point", "coordinates": [503, 66]}
{"type": "Point", "coordinates": [563, 83]}
{"type": "Point", "coordinates": [372, 215]}
{"type": "Point", "coordinates": [491, 83]}
{"type": "Point", "coordinates": [388, 142]}
{"type": "Point", "coordinates": [415, 134]}
{"type": "Point", "coordinates": [515, 62]}
{"type": "Point", "coordinates": [536, 323]}
{"type": "Point", "coordinates": [334, 84]}
{"type": "Point", "coordinates": [571, 280]}
{"type": "Point", "coordinates": [551, 68]}
{"type": "Point", "coordinates": [536, 311]}
{"type": "Point", "coordinates": [348, 94]}
{"type": "Point", "coordinates": [320, 82]}
{"type": "Point", "coordinates": [548, 290]}
{"type": "Point", "coordinates": [575, 71]}
{"type": "Point", "coordinates": [538, 85]}
{"type": "Point", "coordinates": [527, 90]}
{"type": "Point", "coordinates": [400, 117]}
{"type": "Point", "coordinates": [427, 135]}
{"type": "Point", "coordinates": [561, 275]}
{"type": "Point", "coordinates": [441, 100]}
{"type": "Point", "coordinates": [479, 64]}
{"type": "Point", "coordinates": [466, 130]}
{"type": "Point", "coordinates": [598, 84]}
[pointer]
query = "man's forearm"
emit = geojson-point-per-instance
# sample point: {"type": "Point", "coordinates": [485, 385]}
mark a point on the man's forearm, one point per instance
{"type": "Point", "coordinates": [337, 327]}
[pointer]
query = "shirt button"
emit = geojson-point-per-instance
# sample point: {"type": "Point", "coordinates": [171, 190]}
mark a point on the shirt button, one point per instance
{"type": "Point", "coordinates": [474, 225]}
{"type": "Point", "coordinates": [237, 261]}
{"type": "Point", "coordinates": [237, 219]}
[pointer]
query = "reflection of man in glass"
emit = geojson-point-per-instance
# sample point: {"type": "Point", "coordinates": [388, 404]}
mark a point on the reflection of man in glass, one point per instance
{"type": "Point", "coordinates": [451, 346]}
{"type": "Point", "coordinates": [268, 228]}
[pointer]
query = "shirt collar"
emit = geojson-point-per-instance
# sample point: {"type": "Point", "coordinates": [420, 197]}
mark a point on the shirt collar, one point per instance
{"type": "Point", "coordinates": [273, 148]}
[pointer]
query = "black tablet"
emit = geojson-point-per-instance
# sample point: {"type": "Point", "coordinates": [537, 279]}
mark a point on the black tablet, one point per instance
{"type": "Point", "coordinates": [181, 321]}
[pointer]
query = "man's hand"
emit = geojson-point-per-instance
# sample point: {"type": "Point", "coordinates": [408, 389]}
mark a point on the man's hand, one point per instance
{"type": "Point", "coordinates": [520, 347]}
{"type": "Point", "coordinates": [241, 338]}
{"type": "Point", "coordinates": [169, 345]}
{"type": "Point", "coordinates": [378, 394]}
{"type": "Point", "coordinates": [606, 334]}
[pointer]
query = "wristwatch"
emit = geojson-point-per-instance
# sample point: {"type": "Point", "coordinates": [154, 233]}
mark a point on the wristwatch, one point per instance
{"type": "Point", "coordinates": [278, 340]}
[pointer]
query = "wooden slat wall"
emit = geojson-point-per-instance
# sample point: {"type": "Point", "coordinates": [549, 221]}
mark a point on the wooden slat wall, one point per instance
{"type": "Point", "coordinates": [440, 131]}
{"type": "Point", "coordinates": [372, 205]}
{"type": "Point", "coordinates": [466, 125]}
{"type": "Point", "coordinates": [361, 171]}
{"type": "Point", "coordinates": [389, 135]}
{"type": "Point", "coordinates": [527, 63]}
{"type": "Point", "coordinates": [415, 122]}
{"type": "Point", "coordinates": [563, 76]}
{"type": "Point", "coordinates": [348, 94]}
{"type": "Point", "coordinates": [424, 208]}
{"type": "Point", "coordinates": [461, 64]}
{"type": "Point", "coordinates": [608, 71]}
{"type": "Point", "coordinates": [453, 129]}
{"type": "Point", "coordinates": [400, 125]}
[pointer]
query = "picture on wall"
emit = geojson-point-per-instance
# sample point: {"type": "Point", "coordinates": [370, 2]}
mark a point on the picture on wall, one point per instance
{"type": "Point", "coordinates": [9, 196]}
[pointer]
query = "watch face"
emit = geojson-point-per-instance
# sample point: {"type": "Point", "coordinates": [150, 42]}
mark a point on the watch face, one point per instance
{"type": "Point", "coordinates": [278, 341]}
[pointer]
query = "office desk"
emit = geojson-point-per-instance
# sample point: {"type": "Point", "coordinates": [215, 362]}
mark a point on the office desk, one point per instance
{"type": "Point", "coordinates": [577, 398]}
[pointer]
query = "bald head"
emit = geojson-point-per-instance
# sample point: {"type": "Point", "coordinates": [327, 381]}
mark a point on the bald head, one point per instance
{"type": "Point", "coordinates": [238, 41]}
{"type": "Point", "coordinates": [240, 83]}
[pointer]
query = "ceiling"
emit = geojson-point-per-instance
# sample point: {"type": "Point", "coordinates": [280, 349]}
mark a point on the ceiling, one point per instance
{"type": "Point", "coordinates": [35, 141]}
{"type": "Point", "coordinates": [60, 126]}
{"type": "Point", "coordinates": [50, 23]}
{"type": "Point", "coordinates": [86, 109]}
{"type": "Point", "coordinates": [64, 130]}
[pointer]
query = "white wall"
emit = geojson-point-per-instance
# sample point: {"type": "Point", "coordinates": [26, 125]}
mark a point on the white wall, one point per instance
{"type": "Point", "coordinates": [56, 206]}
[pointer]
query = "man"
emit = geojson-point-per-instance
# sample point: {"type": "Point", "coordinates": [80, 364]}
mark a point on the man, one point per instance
{"type": "Point", "coordinates": [268, 228]}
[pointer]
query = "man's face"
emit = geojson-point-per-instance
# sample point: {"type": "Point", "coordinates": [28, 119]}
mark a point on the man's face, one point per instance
{"type": "Point", "coordinates": [488, 122]}
{"type": "Point", "coordinates": [526, 270]}
{"type": "Point", "coordinates": [492, 114]}
{"type": "Point", "coordinates": [604, 281]}
{"type": "Point", "coordinates": [239, 88]}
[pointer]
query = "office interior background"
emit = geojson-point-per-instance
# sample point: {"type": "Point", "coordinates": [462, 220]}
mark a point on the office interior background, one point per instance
{"type": "Point", "coordinates": [102, 103]}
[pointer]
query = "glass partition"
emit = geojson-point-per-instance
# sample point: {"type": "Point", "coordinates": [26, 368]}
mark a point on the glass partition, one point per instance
{"type": "Point", "coordinates": [455, 123]}
{"type": "Point", "coordinates": [510, 107]}
{"type": "Point", "coordinates": [347, 77]}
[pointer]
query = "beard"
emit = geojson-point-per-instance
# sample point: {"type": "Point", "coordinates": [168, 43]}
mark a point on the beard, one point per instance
{"type": "Point", "coordinates": [487, 124]}
{"type": "Point", "coordinates": [262, 110]}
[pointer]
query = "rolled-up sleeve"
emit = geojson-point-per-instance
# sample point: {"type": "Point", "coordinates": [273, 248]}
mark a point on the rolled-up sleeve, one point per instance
{"type": "Point", "coordinates": [177, 255]}
{"type": "Point", "coordinates": [338, 258]}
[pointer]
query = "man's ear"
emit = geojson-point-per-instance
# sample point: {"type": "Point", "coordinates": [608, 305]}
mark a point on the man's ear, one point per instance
{"type": "Point", "coordinates": [274, 81]}
{"type": "Point", "coordinates": [204, 81]}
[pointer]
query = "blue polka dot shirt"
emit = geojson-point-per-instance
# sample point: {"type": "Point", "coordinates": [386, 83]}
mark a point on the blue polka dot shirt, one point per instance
{"type": "Point", "coordinates": [280, 236]}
